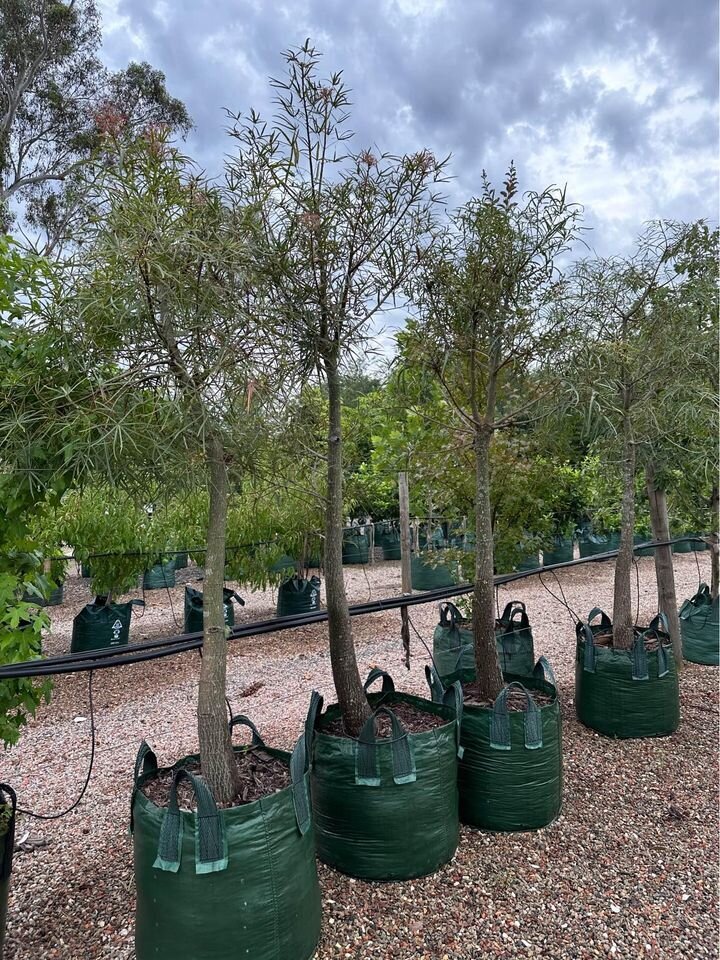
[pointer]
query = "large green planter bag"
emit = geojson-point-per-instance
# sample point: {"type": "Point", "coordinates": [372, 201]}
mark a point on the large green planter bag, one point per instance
{"type": "Point", "coordinates": [285, 562]}
{"type": "Point", "coordinates": [7, 844]}
{"type": "Point", "coordinates": [355, 548]}
{"type": "Point", "coordinates": [514, 639]}
{"type": "Point", "coordinates": [626, 693]}
{"type": "Point", "coordinates": [593, 544]}
{"type": "Point", "coordinates": [225, 884]}
{"type": "Point", "coordinates": [453, 646]}
{"type": "Point", "coordinates": [687, 546]}
{"type": "Point", "coordinates": [298, 595]}
{"type": "Point", "coordinates": [101, 624]}
{"type": "Point", "coordinates": [85, 571]}
{"type": "Point", "coordinates": [428, 571]}
{"type": "Point", "coordinates": [700, 628]}
{"type": "Point", "coordinates": [194, 608]}
{"type": "Point", "coordinates": [529, 563]}
{"type": "Point", "coordinates": [510, 775]}
{"type": "Point", "coordinates": [180, 560]}
{"type": "Point", "coordinates": [159, 576]}
{"type": "Point", "coordinates": [386, 809]}
{"type": "Point", "coordinates": [390, 544]}
{"type": "Point", "coordinates": [561, 552]}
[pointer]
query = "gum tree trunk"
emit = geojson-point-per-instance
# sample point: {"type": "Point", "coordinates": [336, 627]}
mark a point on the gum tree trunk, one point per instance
{"type": "Point", "coordinates": [348, 686]}
{"type": "Point", "coordinates": [487, 666]}
{"type": "Point", "coordinates": [216, 757]}
{"type": "Point", "coordinates": [664, 570]}
{"type": "Point", "coordinates": [623, 633]}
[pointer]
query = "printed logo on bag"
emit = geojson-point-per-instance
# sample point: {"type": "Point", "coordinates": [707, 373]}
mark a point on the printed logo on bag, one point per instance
{"type": "Point", "coordinates": [116, 628]}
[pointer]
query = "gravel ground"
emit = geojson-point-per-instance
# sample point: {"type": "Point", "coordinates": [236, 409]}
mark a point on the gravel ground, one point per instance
{"type": "Point", "coordinates": [629, 870]}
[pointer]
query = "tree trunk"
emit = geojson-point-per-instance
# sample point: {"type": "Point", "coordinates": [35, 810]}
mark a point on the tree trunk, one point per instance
{"type": "Point", "coordinates": [216, 756]}
{"type": "Point", "coordinates": [487, 666]}
{"type": "Point", "coordinates": [348, 686]}
{"type": "Point", "coordinates": [715, 545]}
{"type": "Point", "coordinates": [623, 633]}
{"type": "Point", "coordinates": [664, 570]}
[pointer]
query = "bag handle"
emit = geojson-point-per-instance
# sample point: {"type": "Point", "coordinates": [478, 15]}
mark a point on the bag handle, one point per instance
{"type": "Point", "coordinates": [145, 762]}
{"type": "Point", "coordinates": [8, 840]}
{"type": "Point", "coordinates": [584, 632]}
{"type": "Point", "coordinates": [453, 697]}
{"type": "Point", "coordinates": [211, 851]}
{"type": "Point", "coordinates": [388, 685]}
{"type": "Point", "coordinates": [639, 657]}
{"type": "Point", "coordinates": [659, 624]}
{"type": "Point", "coordinates": [449, 614]}
{"type": "Point", "coordinates": [366, 757]}
{"type": "Point", "coordinates": [500, 737]}
{"type": "Point", "coordinates": [511, 608]}
{"type": "Point", "coordinates": [437, 688]}
{"type": "Point", "coordinates": [543, 669]}
{"type": "Point", "coordinates": [237, 598]}
{"type": "Point", "coordinates": [605, 621]}
{"type": "Point", "coordinates": [240, 720]}
{"type": "Point", "coordinates": [299, 764]}
{"type": "Point", "coordinates": [314, 708]}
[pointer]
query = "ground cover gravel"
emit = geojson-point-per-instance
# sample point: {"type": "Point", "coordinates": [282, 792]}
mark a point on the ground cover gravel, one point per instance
{"type": "Point", "coordinates": [629, 870]}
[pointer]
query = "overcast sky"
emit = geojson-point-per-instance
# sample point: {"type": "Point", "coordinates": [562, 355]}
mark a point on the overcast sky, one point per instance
{"type": "Point", "coordinates": [618, 99]}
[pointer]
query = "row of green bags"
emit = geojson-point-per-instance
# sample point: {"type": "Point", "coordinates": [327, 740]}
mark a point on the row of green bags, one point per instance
{"type": "Point", "coordinates": [626, 693]}
{"type": "Point", "coordinates": [454, 651]}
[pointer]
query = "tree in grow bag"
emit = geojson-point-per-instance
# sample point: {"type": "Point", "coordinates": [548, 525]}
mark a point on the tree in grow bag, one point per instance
{"type": "Point", "coordinates": [510, 773]}
{"type": "Point", "coordinates": [343, 244]}
{"type": "Point", "coordinates": [298, 595]}
{"type": "Point", "coordinates": [700, 626]}
{"type": "Point", "coordinates": [385, 805]}
{"type": "Point", "coordinates": [489, 318]}
{"type": "Point", "coordinates": [8, 805]}
{"type": "Point", "coordinates": [626, 693]}
{"type": "Point", "coordinates": [221, 883]}
{"type": "Point", "coordinates": [194, 608]}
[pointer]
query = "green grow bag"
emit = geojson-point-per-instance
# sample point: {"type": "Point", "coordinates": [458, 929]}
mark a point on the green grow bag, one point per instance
{"type": "Point", "coordinates": [529, 563]}
{"type": "Point", "coordinates": [510, 775]}
{"type": "Point", "coordinates": [180, 560]}
{"type": "Point", "coordinates": [427, 575]}
{"type": "Point", "coordinates": [626, 693]}
{"type": "Point", "coordinates": [298, 595]}
{"type": "Point", "coordinates": [561, 552]}
{"type": "Point", "coordinates": [700, 628]}
{"type": "Point", "coordinates": [159, 576]}
{"type": "Point", "coordinates": [194, 608]}
{"type": "Point", "coordinates": [355, 548]}
{"type": "Point", "coordinates": [687, 546]}
{"type": "Point", "coordinates": [699, 545]}
{"type": "Point", "coordinates": [386, 809]}
{"type": "Point", "coordinates": [102, 625]}
{"type": "Point", "coordinates": [593, 544]}
{"type": "Point", "coordinates": [391, 545]}
{"type": "Point", "coordinates": [230, 883]}
{"type": "Point", "coordinates": [645, 551]}
{"type": "Point", "coordinates": [7, 844]}
{"type": "Point", "coordinates": [285, 562]}
{"type": "Point", "coordinates": [454, 649]}
{"type": "Point", "coordinates": [85, 571]}
{"type": "Point", "coordinates": [54, 599]}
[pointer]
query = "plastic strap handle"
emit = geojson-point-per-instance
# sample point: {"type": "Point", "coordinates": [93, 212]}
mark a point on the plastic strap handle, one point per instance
{"type": "Point", "coordinates": [543, 669]}
{"type": "Point", "coordinates": [388, 685]}
{"type": "Point", "coordinates": [524, 622]}
{"type": "Point", "coordinates": [584, 632]}
{"type": "Point", "coordinates": [211, 852]}
{"type": "Point", "coordinates": [242, 721]}
{"type": "Point", "coordinates": [659, 623]}
{"type": "Point", "coordinates": [7, 842]}
{"type": "Point", "coordinates": [453, 697]}
{"type": "Point", "coordinates": [605, 621]}
{"type": "Point", "coordinates": [510, 608]}
{"type": "Point", "coordinates": [449, 614]}
{"type": "Point", "coordinates": [145, 762]}
{"type": "Point", "coordinates": [640, 668]}
{"type": "Point", "coordinates": [299, 762]}
{"type": "Point", "coordinates": [366, 758]}
{"type": "Point", "coordinates": [687, 608]}
{"type": "Point", "coordinates": [437, 689]}
{"type": "Point", "coordinates": [314, 708]}
{"type": "Point", "coordinates": [500, 738]}
{"type": "Point", "coordinates": [236, 596]}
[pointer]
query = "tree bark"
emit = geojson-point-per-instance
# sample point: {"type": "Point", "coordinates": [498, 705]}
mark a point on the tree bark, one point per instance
{"type": "Point", "coordinates": [664, 570]}
{"type": "Point", "coordinates": [487, 667]}
{"type": "Point", "coordinates": [623, 632]}
{"type": "Point", "coordinates": [216, 756]}
{"type": "Point", "coordinates": [715, 545]}
{"type": "Point", "coordinates": [348, 686]}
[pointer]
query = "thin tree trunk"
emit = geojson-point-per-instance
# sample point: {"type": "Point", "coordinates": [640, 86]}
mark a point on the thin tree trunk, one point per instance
{"type": "Point", "coordinates": [715, 545]}
{"type": "Point", "coordinates": [664, 570]}
{"type": "Point", "coordinates": [623, 632]}
{"type": "Point", "coordinates": [348, 686]}
{"type": "Point", "coordinates": [216, 756]}
{"type": "Point", "coordinates": [487, 666]}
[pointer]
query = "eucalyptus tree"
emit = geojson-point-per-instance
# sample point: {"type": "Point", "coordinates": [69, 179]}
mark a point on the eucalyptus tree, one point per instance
{"type": "Point", "coordinates": [57, 100]}
{"type": "Point", "coordinates": [625, 368]}
{"type": "Point", "coordinates": [490, 303]}
{"type": "Point", "coordinates": [168, 296]}
{"type": "Point", "coordinates": [342, 231]}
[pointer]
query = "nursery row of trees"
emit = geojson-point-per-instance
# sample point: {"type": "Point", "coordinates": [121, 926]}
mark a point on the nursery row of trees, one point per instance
{"type": "Point", "coordinates": [199, 334]}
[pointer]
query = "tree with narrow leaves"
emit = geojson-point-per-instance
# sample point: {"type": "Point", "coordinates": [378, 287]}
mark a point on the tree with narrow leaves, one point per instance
{"type": "Point", "coordinates": [342, 232]}
{"type": "Point", "coordinates": [490, 302]}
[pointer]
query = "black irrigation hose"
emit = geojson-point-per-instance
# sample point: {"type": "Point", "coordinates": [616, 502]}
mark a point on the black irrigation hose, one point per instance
{"type": "Point", "coordinates": [168, 646]}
